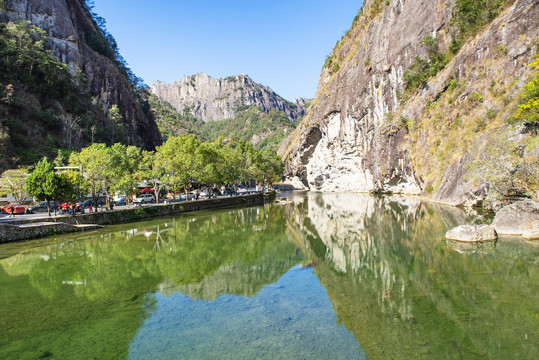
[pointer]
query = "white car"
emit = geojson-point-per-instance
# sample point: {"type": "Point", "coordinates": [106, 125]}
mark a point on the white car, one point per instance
{"type": "Point", "coordinates": [144, 198]}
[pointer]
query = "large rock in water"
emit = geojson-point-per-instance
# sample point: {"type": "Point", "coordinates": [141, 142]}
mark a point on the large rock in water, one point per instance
{"type": "Point", "coordinates": [472, 233]}
{"type": "Point", "coordinates": [517, 218]}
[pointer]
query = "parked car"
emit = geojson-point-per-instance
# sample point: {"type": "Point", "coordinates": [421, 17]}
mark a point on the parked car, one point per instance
{"type": "Point", "coordinates": [182, 196]}
{"type": "Point", "coordinates": [41, 207]}
{"type": "Point", "coordinates": [119, 200]}
{"type": "Point", "coordinates": [86, 204]}
{"type": "Point", "coordinates": [17, 209]}
{"type": "Point", "coordinates": [144, 198]}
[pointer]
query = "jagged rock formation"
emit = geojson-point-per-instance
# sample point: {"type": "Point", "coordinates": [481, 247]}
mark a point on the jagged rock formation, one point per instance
{"type": "Point", "coordinates": [209, 99]}
{"type": "Point", "coordinates": [67, 26]}
{"type": "Point", "coordinates": [364, 133]}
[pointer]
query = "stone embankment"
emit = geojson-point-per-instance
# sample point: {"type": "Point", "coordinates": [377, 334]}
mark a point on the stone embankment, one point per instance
{"type": "Point", "coordinates": [30, 229]}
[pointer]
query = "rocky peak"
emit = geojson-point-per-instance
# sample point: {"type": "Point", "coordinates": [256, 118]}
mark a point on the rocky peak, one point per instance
{"type": "Point", "coordinates": [210, 99]}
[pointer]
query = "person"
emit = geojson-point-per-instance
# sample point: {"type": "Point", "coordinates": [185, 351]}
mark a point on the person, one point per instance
{"type": "Point", "coordinates": [90, 207]}
{"type": "Point", "coordinates": [197, 194]}
{"type": "Point", "coordinates": [11, 209]}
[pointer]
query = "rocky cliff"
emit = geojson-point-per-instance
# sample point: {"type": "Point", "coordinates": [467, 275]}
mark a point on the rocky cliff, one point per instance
{"type": "Point", "coordinates": [367, 132]}
{"type": "Point", "coordinates": [68, 27]}
{"type": "Point", "coordinates": [209, 99]}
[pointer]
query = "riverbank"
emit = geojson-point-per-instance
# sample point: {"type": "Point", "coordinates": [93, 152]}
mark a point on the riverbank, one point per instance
{"type": "Point", "coordinates": [18, 230]}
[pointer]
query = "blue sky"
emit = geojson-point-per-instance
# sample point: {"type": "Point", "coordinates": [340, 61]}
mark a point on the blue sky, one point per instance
{"type": "Point", "coordinates": [279, 43]}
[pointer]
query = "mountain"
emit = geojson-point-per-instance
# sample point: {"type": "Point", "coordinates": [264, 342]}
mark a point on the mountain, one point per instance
{"type": "Point", "coordinates": [209, 99]}
{"type": "Point", "coordinates": [232, 107]}
{"type": "Point", "coordinates": [423, 99]}
{"type": "Point", "coordinates": [62, 78]}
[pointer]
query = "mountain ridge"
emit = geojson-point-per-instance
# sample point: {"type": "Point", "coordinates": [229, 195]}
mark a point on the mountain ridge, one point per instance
{"type": "Point", "coordinates": [212, 99]}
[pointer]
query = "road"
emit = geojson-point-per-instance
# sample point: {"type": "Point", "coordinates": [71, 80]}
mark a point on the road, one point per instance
{"type": "Point", "coordinates": [4, 218]}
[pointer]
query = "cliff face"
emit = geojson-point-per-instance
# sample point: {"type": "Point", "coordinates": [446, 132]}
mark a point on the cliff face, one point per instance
{"type": "Point", "coordinates": [364, 133]}
{"type": "Point", "coordinates": [67, 25]}
{"type": "Point", "coordinates": [210, 99]}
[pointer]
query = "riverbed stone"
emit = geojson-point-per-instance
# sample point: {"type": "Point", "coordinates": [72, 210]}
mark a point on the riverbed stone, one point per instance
{"type": "Point", "coordinates": [517, 218]}
{"type": "Point", "coordinates": [472, 233]}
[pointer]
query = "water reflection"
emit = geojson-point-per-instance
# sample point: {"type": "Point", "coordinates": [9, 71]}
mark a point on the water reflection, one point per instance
{"type": "Point", "coordinates": [405, 293]}
{"type": "Point", "coordinates": [377, 275]}
{"type": "Point", "coordinates": [84, 290]}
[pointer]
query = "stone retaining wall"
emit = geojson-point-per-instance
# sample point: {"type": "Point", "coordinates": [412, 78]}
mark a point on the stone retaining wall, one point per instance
{"type": "Point", "coordinates": [17, 230]}
{"type": "Point", "coordinates": [10, 232]}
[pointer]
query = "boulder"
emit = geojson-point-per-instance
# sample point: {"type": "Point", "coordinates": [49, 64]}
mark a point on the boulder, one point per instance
{"type": "Point", "coordinates": [533, 233]}
{"type": "Point", "coordinates": [517, 218]}
{"type": "Point", "coordinates": [472, 233]}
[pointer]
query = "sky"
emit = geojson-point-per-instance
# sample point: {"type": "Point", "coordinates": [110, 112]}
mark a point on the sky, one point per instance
{"type": "Point", "coordinates": [279, 43]}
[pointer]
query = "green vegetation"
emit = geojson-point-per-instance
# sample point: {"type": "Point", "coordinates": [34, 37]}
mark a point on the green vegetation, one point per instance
{"type": "Point", "coordinates": [249, 123]}
{"type": "Point", "coordinates": [528, 110]}
{"type": "Point", "coordinates": [40, 99]}
{"type": "Point", "coordinates": [266, 130]}
{"type": "Point", "coordinates": [14, 182]}
{"type": "Point", "coordinates": [170, 122]}
{"type": "Point", "coordinates": [421, 70]}
{"type": "Point", "coordinates": [469, 16]}
{"type": "Point", "coordinates": [45, 185]}
{"type": "Point", "coordinates": [181, 163]}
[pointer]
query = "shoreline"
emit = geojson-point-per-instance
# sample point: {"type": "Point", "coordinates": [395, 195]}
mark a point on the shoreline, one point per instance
{"type": "Point", "coordinates": [20, 230]}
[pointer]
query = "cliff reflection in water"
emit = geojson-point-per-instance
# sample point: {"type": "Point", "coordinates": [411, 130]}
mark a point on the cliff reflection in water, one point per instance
{"type": "Point", "coordinates": [407, 294]}
{"type": "Point", "coordinates": [87, 296]}
{"type": "Point", "coordinates": [386, 270]}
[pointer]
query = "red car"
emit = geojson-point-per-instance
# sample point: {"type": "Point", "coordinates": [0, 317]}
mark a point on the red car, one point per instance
{"type": "Point", "coordinates": [17, 209]}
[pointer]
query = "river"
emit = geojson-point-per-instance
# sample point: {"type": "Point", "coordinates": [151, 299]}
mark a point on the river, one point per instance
{"type": "Point", "coordinates": [320, 276]}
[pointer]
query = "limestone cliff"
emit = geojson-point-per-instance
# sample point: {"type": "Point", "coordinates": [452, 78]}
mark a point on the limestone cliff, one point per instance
{"type": "Point", "coordinates": [68, 26]}
{"type": "Point", "coordinates": [365, 132]}
{"type": "Point", "coordinates": [209, 99]}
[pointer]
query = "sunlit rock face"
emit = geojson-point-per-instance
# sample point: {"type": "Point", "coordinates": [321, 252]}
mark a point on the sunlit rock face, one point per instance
{"type": "Point", "coordinates": [358, 134]}
{"type": "Point", "coordinates": [210, 99]}
{"type": "Point", "coordinates": [67, 26]}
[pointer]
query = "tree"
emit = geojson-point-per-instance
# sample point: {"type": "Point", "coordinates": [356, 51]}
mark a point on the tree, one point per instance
{"type": "Point", "coordinates": [96, 162]}
{"type": "Point", "coordinates": [125, 163]}
{"type": "Point", "coordinates": [14, 182]}
{"type": "Point", "coordinates": [72, 128]}
{"type": "Point", "coordinates": [154, 169]}
{"type": "Point", "coordinates": [180, 154]}
{"type": "Point", "coordinates": [45, 185]}
{"type": "Point", "coordinates": [116, 123]}
{"type": "Point", "coordinates": [208, 157]}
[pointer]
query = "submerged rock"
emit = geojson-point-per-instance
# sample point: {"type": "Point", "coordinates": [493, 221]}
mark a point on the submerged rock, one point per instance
{"type": "Point", "coordinates": [472, 233]}
{"type": "Point", "coordinates": [517, 218]}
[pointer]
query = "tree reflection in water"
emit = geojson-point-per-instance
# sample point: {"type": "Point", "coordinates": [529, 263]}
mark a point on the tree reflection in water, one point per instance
{"type": "Point", "coordinates": [100, 286]}
{"type": "Point", "coordinates": [393, 280]}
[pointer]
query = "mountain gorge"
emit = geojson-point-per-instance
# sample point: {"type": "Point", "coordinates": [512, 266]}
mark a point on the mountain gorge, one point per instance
{"type": "Point", "coordinates": [421, 99]}
{"type": "Point", "coordinates": [72, 45]}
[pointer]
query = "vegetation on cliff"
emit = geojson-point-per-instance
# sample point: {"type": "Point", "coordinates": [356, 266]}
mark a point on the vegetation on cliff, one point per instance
{"type": "Point", "coordinates": [45, 106]}
{"type": "Point", "coordinates": [264, 130]}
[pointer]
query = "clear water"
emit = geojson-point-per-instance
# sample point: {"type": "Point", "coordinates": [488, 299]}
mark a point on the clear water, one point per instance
{"type": "Point", "coordinates": [323, 276]}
